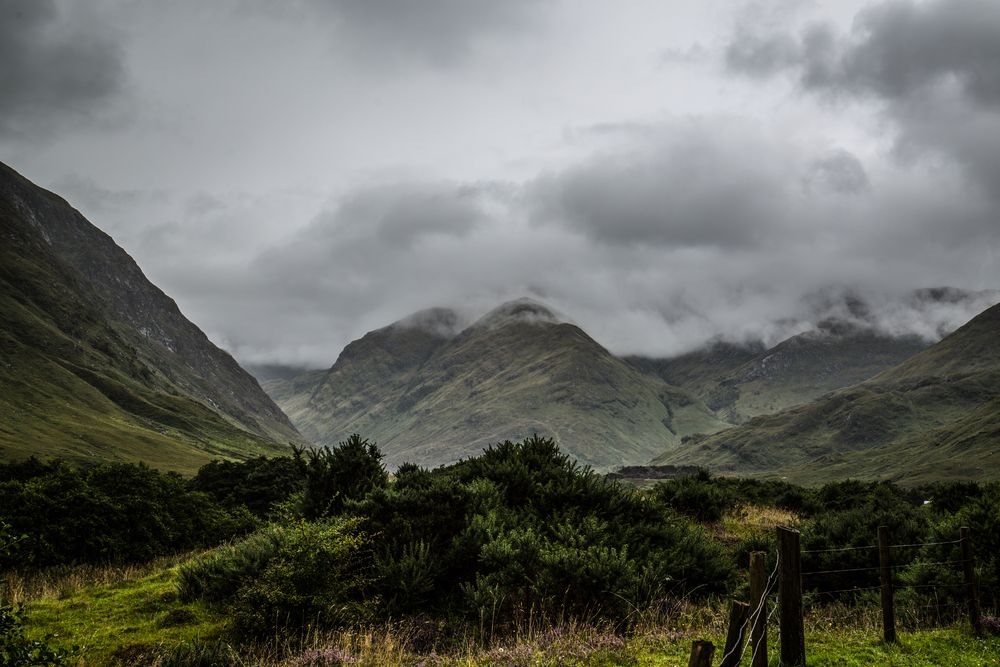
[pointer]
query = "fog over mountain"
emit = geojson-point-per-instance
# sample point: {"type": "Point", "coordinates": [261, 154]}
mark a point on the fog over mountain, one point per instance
{"type": "Point", "coordinates": [667, 173]}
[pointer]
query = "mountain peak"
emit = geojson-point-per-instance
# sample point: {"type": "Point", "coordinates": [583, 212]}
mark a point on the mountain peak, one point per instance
{"type": "Point", "coordinates": [519, 311]}
{"type": "Point", "coordinates": [440, 322]}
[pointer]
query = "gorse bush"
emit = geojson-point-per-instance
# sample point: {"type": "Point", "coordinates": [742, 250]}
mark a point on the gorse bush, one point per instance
{"type": "Point", "coordinates": [219, 575]}
{"type": "Point", "coordinates": [317, 578]}
{"type": "Point", "coordinates": [522, 527]}
{"type": "Point", "coordinates": [259, 484]}
{"type": "Point", "coordinates": [113, 512]}
{"type": "Point", "coordinates": [305, 575]}
{"type": "Point", "coordinates": [334, 476]}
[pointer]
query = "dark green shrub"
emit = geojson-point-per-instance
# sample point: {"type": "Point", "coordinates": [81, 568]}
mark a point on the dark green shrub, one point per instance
{"type": "Point", "coordinates": [523, 529]}
{"type": "Point", "coordinates": [317, 579]}
{"type": "Point", "coordinates": [695, 496]}
{"type": "Point", "coordinates": [217, 576]}
{"type": "Point", "coordinates": [336, 475]}
{"type": "Point", "coordinates": [257, 484]}
{"type": "Point", "coordinates": [112, 512]}
{"type": "Point", "coordinates": [846, 538]}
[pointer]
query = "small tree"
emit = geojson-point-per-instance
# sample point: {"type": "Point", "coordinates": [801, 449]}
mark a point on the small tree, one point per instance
{"type": "Point", "coordinates": [335, 475]}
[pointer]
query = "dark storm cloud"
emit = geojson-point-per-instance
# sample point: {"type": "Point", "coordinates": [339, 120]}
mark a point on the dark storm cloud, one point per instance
{"type": "Point", "coordinates": [400, 214]}
{"type": "Point", "coordinates": [935, 66]}
{"type": "Point", "coordinates": [703, 184]}
{"type": "Point", "coordinates": [55, 65]}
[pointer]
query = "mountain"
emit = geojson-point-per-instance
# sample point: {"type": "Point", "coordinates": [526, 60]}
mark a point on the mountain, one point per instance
{"type": "Point", "coordinates": [430, 391]}
{"type": "Point", "coordinates": [934, 416]}
{"type": "Point", "coordinates": [99, 364]}
{"type": "Point", "coordinates": [744, 381]}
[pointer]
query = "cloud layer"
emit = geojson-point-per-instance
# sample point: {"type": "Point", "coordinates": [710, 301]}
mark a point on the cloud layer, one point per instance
{"type": "Point", "coordinates": [298, 174]}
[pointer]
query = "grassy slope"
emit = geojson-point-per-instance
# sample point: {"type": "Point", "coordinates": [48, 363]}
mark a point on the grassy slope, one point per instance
{"type": "Point", "coordinates": [430, 399]}
{"type": "Point", "coordinates": [741, 382]}
{"type": "Point", "coordinates": [935, 416]}
{"type": "Point", "coordinates": [75, 385]}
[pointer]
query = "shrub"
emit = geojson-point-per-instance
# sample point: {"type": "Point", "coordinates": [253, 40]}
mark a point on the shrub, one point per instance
{"type": "Point", "coordinates": [113, 512]}
{"type": "Point", "coordinates": [219, 575]}
{"type": "Point", "coordinates": [333, 476]}
{"type": "Point", "coordinates": [317, 578]}
{"type": "Point", "coordinates": [258, 484]}
{"type": "Point", "coordinates": [522, 527]}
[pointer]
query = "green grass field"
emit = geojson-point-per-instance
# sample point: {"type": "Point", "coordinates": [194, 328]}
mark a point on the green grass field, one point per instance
{"type": "Point", "coordinates": [133, 620]}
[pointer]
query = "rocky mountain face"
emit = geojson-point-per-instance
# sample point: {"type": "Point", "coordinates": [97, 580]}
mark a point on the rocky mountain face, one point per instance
{"type": "Point", "coordinates": [100, 363]}
{"type": "Point", "coordinates": [430, 391]}
{"type": "Point", "coordinates": [934, 416]}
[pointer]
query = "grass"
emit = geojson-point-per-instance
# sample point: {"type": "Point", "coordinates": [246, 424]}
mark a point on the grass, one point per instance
{"type": "Point", "coordinates": [131, 616]}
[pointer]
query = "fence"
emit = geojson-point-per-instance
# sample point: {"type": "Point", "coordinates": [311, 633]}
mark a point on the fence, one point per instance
{"type": "Point", "coordinates": [748, 621]}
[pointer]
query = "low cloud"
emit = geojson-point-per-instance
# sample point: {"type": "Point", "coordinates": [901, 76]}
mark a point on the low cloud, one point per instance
{"type": "Point", "coordinates": [655, 245]}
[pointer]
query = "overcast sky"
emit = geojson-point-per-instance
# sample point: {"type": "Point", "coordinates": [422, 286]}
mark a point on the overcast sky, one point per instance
{"type": "Point", "coordinates": [295, 174]}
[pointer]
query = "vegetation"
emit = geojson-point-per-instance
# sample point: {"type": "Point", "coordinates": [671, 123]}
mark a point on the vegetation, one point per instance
{"type": "Point", "coordinates": [514, 556]}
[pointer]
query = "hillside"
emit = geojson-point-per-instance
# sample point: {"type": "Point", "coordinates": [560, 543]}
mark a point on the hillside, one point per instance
{"type": "Point", "coordinates": [98, 363]}
{"type": "Point", "coordinates": [430, 393]}
{"type": "Point", "coordinates": [934, 416]}
{"type": "Point", "coordinates": [739, 382]}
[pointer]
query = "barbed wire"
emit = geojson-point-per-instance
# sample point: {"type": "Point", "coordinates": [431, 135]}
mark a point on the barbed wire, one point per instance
{"type": "Point", "coordinates": [772, 579]}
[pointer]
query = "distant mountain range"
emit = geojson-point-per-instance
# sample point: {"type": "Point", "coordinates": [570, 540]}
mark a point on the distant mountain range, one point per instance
{"type": "Point", "coordinates": [740, 382]}
{"type": "Point", "coordinates": [96, 363]}
{"type": "Point", "coordinates": [934, 416]}
{"type": "Point", "coordinates": [430, 389]}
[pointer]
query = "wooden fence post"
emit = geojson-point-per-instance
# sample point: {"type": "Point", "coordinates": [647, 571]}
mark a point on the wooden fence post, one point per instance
{"type": "Point", "coordinates": [971, 588]}
{"type": "Point", "coordinates": [792, 626]}
{"type": "Point", "coordinates": [758, 610]}
{"type": "Point", "coordinates": [885, 574]}
{"type": "Point", "coordinates": [738, 612]}
{"type": "Point", "coordinates": [702, 653]}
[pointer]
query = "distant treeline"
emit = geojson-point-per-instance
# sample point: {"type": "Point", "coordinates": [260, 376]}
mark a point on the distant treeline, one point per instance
{"type": "Point", "coordinates": [328, 537]}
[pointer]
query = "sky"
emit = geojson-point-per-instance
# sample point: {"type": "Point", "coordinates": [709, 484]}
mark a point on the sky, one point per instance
{"type": "Point", "coordinates": [665, 173]}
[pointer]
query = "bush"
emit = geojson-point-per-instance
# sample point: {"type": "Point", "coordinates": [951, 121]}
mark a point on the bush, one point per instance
{"type": "Point", "coordinates": [113, 512]}
{"type": "Point", "coordinates": [219, 575]}
{"type": "Point", "coordinates": [522, 527]}
{"type": "Point", "coordinates": [258, 484]}
{"type": "Point", "coordinates": [334, 476]}
{"type": "Point", "coordinates": [696, 496]}
{"type": "Point", "coordinates": [317, 579]}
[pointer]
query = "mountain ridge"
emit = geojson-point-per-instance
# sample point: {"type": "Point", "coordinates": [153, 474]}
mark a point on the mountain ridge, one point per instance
{"type": "Point", "coordinates": [116, 371]}
{"type": "Point", "coordinates": [933, 416]}
{"type": "Point", "coordinates": [516, 370]}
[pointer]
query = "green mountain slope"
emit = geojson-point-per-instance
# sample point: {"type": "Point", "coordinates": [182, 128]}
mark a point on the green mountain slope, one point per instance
{"type": "Point", "coordinates": [740, 382]}
{"type": "Point", "coordinates": [98, 363]}
{"type": "Point", "coordinates": [934, 416]}
{"type": "Point", "coordinates": [430, 396]}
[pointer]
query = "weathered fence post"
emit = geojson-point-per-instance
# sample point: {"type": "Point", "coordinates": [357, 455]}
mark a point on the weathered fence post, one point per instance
{"type": "Point", "coordinates": [738, 612]}
{"type": "Point", "coordinates": [792, 627]}
{"type": "Point", "coordinates": [702, 653]}
{"type": "Point", "coordinates": [758, 610]}
{"type": "Point", "coordinates": [971, 588]}
{"type": "Point", "coordinates": [885, 574]}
